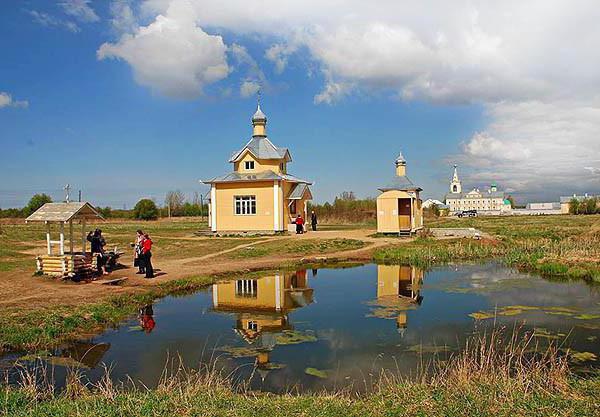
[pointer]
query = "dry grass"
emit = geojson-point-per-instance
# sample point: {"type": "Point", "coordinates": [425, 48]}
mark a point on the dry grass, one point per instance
{"type": "Point", "coordinates": [493, 375]}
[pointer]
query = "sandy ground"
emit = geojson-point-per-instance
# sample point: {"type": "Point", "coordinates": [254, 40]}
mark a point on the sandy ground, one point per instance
{"type": "Point", "coordinates": [22, 290]}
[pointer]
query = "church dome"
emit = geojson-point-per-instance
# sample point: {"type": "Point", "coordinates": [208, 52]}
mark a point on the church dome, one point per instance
{"type": "Point", "coordinates": [400, 159]}
{"type": "Point", "coordinates": [259, 116]}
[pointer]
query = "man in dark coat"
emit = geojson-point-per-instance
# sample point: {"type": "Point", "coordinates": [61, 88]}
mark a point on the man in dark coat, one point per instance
{"type": "Point", "coordinates": [313, 221]}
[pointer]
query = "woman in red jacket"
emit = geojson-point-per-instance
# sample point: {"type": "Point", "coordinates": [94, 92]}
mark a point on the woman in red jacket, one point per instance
{"type": "Point", "coordinates": [299, 225]}
{"type": "Point", "coordinates": [147, 254]}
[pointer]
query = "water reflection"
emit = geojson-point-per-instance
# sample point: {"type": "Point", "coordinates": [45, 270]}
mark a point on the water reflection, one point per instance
{"type": "Point", "coordinates": [333, 329]}
{"type": "Point", "coordinates": [146, 318]}
{"type": "Point", "coordinates": [398, 290]}
{"type": "Point", "coordinates": [262, 307]}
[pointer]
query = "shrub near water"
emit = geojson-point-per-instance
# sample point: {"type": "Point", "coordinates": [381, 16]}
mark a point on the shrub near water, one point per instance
{"type": "Point", "coordinates": [491, 376]}
{"type": "Point", "coordinates": [556, 246]}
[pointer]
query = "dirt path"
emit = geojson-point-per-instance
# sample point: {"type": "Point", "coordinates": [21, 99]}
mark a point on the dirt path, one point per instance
{"type": "Point", "coordinates": [18, 289]}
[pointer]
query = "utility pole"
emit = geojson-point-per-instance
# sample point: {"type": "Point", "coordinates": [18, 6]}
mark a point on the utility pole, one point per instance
{"type": "Point", "coordinates": [67, 189]}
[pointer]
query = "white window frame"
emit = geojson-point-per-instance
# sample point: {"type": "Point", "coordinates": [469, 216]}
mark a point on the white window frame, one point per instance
{"type": "Point", "coordinates": [244, 205]}
{"type": "Point", "coordinates": [249, 165]}
{"type": "Point", "coordinates": [246, 288]}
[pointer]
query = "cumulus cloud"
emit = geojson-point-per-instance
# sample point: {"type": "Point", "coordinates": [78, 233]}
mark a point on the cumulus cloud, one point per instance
{"type": "Point", "coordinates": [450, 52]}
{"type": "Point", "coordinates": [536, 148]}
{"type": "Point", "coordinates": [249, 88]}
{"type": "Point", "coordinates": [333, 92]}
{"type": "Point", "coordinates": [123, 19]}
{"type": "Point", "coordinates": [172, 55]}
{"type": "Point", "coordinates": [533, 66]}
{"type": "Point", "coordinates": [279, 54]}
{"type": "Point", "coordinates": [6, 100]}
{"type": "Point", "coordinates": [255, 79]}
{"type": "Point", "coordinates": [47, 20]}
{"type": "Point", "coordinates": [80, 10]}
{"type": "Point", "coordinates": [593, 170]}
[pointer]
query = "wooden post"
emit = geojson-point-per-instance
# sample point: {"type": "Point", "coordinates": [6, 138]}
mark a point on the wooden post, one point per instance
{"type": "Point", "coordinates": [48, 238]}
{"type": "Point", "coordinates": [83, 236]}
{"type": "Point", "coordinates": [72, 269]}
{"type": "Point", "coordinates": [71, 237]}
{"type": "Point", "coordinates": [62, 239]}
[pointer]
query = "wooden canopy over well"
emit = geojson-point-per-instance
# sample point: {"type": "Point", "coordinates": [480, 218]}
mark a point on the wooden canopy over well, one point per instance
{"type": "Point", "coordinates": [64, 212]}
{"type": "Point", "coordinates": [61, 262]}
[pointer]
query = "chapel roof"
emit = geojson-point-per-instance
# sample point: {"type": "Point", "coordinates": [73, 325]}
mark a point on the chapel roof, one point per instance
{"type": "Point", "coordinates": [262, 148]}
{"type": "Point", "coordinates": [267, 175]}
{"type": "Point", "coordinates": [401, 183]}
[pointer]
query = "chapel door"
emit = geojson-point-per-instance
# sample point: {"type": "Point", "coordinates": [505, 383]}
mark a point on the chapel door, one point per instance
{"type": "Point", "coordinates": [404, 213]}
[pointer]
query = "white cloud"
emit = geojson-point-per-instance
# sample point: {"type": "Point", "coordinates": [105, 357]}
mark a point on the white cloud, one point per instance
{"type": "Point", "coordinates": [593, 170]}
{"type": "Point", "coordinates": [255, 79]}
{"type": "Point", "coordinates": [79, 9]}
{"type": "Point", "coordinates": [123, 19]}
{"type": "Point", "coordinates": [279, 54]}
{"type": "Point", "coordinates": [172, 55]}
{"type": "Point", "coordinates": [6, 100]}
{"type": "Point", "coordinates": [249, 88]}
{"type": "Point", "coordinates": [537, 148]}
{"type": "Point", "coordinates": [47, 20]}
{"type": "Point", "coordinates": [457, 51]}
{"type": "Point", "coordinates": [534, 66]}
{"type": "Point", "coordinates": [333, 92]}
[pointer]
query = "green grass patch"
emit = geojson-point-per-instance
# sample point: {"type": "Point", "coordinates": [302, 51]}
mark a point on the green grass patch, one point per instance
{"type": "Point", "coordinates": [296, 247]}
{"type": "Point", "coordinates": [46, 328]}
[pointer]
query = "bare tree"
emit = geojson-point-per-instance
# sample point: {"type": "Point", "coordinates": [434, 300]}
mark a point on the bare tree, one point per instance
{"type": "Point", "coordinates": [174, 202]}
{"type": "Point", "coordinates": [347, 196]}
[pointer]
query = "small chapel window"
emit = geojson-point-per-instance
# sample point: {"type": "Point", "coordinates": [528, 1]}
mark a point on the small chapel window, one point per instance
{"type": "Point", "coordinates": [249, 164]}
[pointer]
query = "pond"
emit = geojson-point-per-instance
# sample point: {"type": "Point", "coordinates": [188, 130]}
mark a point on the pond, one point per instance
{"type": "Point", "coordinates": [331, 328]}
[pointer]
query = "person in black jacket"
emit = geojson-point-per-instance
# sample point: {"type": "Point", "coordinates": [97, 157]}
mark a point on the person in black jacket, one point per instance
{"type": "Point", "coordinates": [313, 220]}
{"type": "Point", "coordinates": [97, 243]}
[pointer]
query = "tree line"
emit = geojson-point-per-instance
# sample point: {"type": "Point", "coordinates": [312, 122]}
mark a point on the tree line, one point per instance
{"type": "Point", "coordinates": [175, 205]}
{"type": "Point", "coordinates": [346, 208]}
{"type": "Point", "coordinates": [586, 206]}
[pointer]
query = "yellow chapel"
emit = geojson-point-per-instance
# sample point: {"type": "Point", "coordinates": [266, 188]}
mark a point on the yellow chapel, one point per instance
{"type": "Point", "coordinates": [259, 195]}
{"type": "Point", "coordinates": [399, 207]}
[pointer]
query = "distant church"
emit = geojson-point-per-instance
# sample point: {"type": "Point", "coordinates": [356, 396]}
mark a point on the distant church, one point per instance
{"type": "Point", "coordinates": [490, 200]}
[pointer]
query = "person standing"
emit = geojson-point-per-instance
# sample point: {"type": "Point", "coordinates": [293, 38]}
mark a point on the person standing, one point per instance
{"type": "Point", "coordinates": [147, 255]}
{"type": "Point", "coordinates": [97, 243]}
{"type": "Point", "coordinates": [299, 225]}
{"type": "Point", "coordinates": [313, 221]}
{"type": "Point", "coordinates": [137, 252]}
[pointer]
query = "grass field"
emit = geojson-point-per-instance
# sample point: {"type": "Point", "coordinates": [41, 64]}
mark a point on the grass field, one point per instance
{"type": "Point", "coordinates": [293, 247]}
{"type": "Point", "coordinates": [481, 382]}
{"type": "Point", "coordinates": [171, 238]}
{"type": "Point", "coordinates": [567, 246]}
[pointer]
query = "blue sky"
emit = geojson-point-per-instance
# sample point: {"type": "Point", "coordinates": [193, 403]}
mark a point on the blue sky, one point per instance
{"type": "Point", "coordinates": [73, 116]}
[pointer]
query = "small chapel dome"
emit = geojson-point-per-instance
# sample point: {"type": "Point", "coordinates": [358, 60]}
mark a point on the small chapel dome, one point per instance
{"type": "Point", "coordinates": [259, 116]}
{"type": "Point", "coordinates": [400, 159]}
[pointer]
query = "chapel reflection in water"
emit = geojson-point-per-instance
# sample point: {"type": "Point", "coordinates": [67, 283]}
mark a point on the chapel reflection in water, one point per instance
{"type": "Point", "coordinates": [398, 290]}
{"type": "Point", "coordinates": [262, 307]}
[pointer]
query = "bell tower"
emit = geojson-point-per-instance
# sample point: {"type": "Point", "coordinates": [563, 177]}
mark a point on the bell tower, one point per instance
{"type": "Point", "coordinates": [455, 186]}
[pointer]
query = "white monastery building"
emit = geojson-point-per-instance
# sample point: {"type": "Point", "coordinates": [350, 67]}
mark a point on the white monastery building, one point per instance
{"type": "Point", "coordinates": [490, 200]}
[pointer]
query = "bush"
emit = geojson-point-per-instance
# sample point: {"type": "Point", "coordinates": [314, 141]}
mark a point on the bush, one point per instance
{"type": "Point", "coordinates": [105, 212]}
{"type": "Point", "coordinates": [12, 213]}
{"type": "Point", "coordinates": [346, 209]}
{"type": "Point", "coordinates": [145, 209]}
{"type": "Point", "coordinates": [37, 201]}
